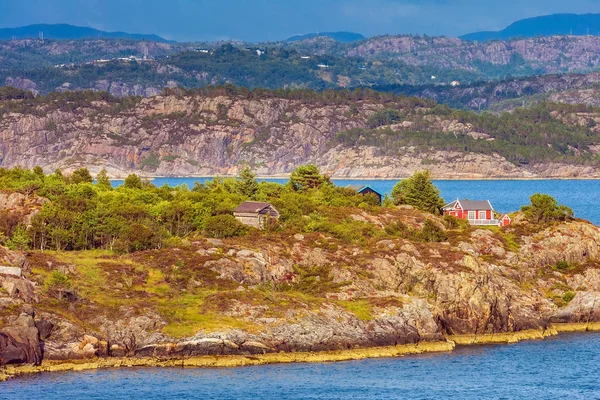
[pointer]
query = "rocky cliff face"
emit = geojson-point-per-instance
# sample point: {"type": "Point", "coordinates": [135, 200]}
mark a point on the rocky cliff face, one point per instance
{"type": "Point", "coordinates": [543, 54]}
{"type": "Point", "coordinates": [303, 293]}
{"type": "Point", "coordinates": [198, 135]}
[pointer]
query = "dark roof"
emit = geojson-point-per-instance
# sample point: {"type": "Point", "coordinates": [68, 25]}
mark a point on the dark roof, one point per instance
{"type": "Point", "coordinates": [477, 205]}
{"type": "Point", "coordinates": [251, 207]}
{"type": "Point", "coordinates": [361, 188]}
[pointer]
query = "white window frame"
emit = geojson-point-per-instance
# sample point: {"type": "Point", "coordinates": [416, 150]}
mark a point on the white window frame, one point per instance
{"type": "Point", "coordinates": [484, 215]}
{"type": "Point", "coordinates": [473, 215]}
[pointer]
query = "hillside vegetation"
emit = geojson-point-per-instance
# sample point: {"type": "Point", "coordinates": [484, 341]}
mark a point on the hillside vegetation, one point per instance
{"type": "Point", "coordinates": [316, 63]}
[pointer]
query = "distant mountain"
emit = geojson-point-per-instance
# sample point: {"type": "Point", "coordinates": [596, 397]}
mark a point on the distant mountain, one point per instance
{"type": "Point", "coordinates": [549, 25]}
{"type": "Point", "coordinates": [65, 32]}
{"type": "Point", "coordinates": [342, 37]}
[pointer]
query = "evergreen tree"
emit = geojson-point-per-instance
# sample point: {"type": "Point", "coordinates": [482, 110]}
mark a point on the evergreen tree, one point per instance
{"type": "Point", "coordinates": [247, 183]}
{"type": "Point", "coordinates": [307, 177]}
{"type": "Point", "coordinates": [39, 172]}
{"type": "Point", "coordinates": [102, 180]}
{"type": "Point", "coordinates": [418, 191]}
{"type": "Point", "coordinates": [544, 209]}
{"type": "Point", "coordinates": [81, 175]}
{"type": "Point", "coordinates": [133, 182]}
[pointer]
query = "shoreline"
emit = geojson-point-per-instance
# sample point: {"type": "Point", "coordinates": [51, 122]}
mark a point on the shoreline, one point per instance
{"type": "Point", "coordinates": [333, 178]}
{"type": "Point", "coordinates": [230, 361]}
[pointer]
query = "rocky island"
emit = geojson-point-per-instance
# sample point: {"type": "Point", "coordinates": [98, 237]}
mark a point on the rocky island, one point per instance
{"type": "Point", "coordinates": [95, 276]}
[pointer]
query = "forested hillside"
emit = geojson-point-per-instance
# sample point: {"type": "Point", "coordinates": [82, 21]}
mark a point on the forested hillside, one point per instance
{"type": "Point", "coordinates": [318, 63]}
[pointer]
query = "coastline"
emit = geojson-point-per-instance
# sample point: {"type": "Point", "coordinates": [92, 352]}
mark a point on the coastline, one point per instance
{"type": "Point", "coordinates": [230, 361]}
{"type": "Point", "coordinates": [457, 179]}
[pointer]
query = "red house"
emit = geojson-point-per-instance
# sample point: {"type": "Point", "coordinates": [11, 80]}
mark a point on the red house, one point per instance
{"type": "Point", "coordinates": [477, 212]}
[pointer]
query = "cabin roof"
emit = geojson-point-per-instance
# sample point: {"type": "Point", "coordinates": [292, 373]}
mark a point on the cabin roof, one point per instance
{"type": "Point", "coordinates": [478, 205]}
{"type": "Point", "coordinates": [362, 188]}
{"type": "Point", "coordinates": [252, 207]}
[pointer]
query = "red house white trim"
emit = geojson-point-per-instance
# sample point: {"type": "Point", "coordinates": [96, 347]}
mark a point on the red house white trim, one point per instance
{"type": "Point", "coordinates": [477, 212]}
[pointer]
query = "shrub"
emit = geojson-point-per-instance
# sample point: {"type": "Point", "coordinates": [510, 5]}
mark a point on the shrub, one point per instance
{"type": "Point", "coordinates": [224, 226]}
{"type": "Point", "coordinates": [133, 182]}
{"type": "Point", "coordinates": [19, 240]}
{"type": "Point", "coordinates": [137, 237]}
{"type": "Point", "coordinates": [545, 209]}
{"type": "Point", "coordinates": [563, 265]}
{"type": "Point", "coordinates": [452, 222]}
{"type": "Point", "coordinates": [568, 296]}
{"type": "Point", "coordinates": [57, 284]}
{"type": "Point", "coordinates": [431, 232]}
{"type": "Point", "coordinates": [81, 175]}
{"type": "Point", "coordinates": [396, 228]}
{"type": "Point", "coordinates": [384, 117]}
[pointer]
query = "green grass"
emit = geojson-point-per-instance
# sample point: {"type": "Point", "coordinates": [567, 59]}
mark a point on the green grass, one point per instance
{"type": "Point", "coordinates": [360, 308]}
{"type": "Point", "coordinates": [185, 317]}
{"type": "Point", "coordinates": [156, 282]}
{"type": "Point", "coordinates": [511, 242]}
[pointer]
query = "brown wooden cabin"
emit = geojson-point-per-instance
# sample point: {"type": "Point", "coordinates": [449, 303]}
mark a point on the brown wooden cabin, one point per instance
{"type": "Point", "coordinates": [255, 213]}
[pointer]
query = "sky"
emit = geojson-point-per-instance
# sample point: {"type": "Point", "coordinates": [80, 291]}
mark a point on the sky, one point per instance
{"type": "Point", "coordinates": [271, 20]}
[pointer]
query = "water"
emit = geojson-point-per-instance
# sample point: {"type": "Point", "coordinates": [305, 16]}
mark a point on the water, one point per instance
{"type": "Point", "coordinates": [582, 196]}
{"type": "Point", "coordinates": [561, 367]}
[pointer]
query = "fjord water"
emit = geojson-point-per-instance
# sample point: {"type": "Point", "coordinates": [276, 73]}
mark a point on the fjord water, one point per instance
{"type": "Point", "coordinates": [565, 366]}
{"type": "Point", "coordinates": [582, 196]}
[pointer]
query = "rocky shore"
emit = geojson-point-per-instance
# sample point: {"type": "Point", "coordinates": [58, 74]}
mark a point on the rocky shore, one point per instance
{"type": "Point", "coordinates": [229, 361]}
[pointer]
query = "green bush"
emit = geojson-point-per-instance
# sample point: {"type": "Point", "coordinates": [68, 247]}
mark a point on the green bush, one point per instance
{"type": "Point", "coordinates": [431, 232]}
{"type": "Point", "coordinates": [81, 175]}
{"type": "Point", "coordinates": [224, 226]}
{"type": "Point", "coordinates": [397, 228]}
{"type": "Point", "coordinates": [57, 284]}
{"type": "Point", "coordinates": [452, 222]}
{"type": "Point", "coordinates": [133, 182]}
{"type": "Point", "coordinates": [568, 296]}
{"type": "Point", "coordinates": [545, 209]}
{"type": "Point", "coordinates": [384, 117]}
{"type": "Point", "coordinates": [19, 240]}
{"type": "Point", "coordinates": [563, 265]}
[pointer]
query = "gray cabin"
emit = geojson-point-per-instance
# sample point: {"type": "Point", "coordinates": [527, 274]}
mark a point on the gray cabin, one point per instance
{"type": "Point", "coordinates": [255, 213]}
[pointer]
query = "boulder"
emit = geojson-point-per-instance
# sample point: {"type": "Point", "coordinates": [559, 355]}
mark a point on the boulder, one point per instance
{"type": "Point", "coordinates": [20, 342]}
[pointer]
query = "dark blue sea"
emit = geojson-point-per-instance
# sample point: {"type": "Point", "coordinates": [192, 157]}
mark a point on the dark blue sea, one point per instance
{"type": "Point", "coordinates": [563, 367]}
{"type": "Point", "coordinates": [583, 196]}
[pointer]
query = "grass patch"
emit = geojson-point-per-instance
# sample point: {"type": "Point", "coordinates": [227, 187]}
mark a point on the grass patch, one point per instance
{"type": "Point", "coordinates": [360, 308]}
{"type": "Point", "coordinates": [185, 318]}
{"type": "Point", "coordinates": [156, 282]}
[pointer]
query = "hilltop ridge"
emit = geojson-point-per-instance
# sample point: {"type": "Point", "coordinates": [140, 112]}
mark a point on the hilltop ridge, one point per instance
{"type": "Point", "coordinates": [547, 25]}
{"type": "Point", "coordinates": [69, 32]}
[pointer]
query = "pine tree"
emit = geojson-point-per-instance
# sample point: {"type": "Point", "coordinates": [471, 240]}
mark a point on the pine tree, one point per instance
{"type": "Point", "coordinates": [247, 183]}
{"type": "Point", "coordinates": [81, 175]}
{"type": "Point", "coordinates": [39, 172]}
{"type": "Point", "coordinates": [133, 182]}
{"type": "Point", "coordinates": [307, 177]}
{"type": "Point", "coordinates": [418, 191]}
{"type": "Point", "coordinates": [102, 180]}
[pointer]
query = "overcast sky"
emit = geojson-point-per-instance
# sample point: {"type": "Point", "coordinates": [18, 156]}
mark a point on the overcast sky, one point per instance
{"type": "Point", "coordinates": [261, 20]}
